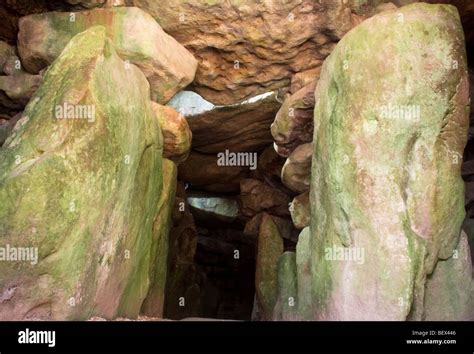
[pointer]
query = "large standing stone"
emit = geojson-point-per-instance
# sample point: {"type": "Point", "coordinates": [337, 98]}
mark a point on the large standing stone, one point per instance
{"type": "Point", "coordinates": [83, 192]}
{"type": "Point", "coordinates": [387, 196]}
{"type": "Point", "coordinates": [137, 37]}
{"type": "Point", "coordinates": [286, 305]}
{"type": "Point", "coordinates": [269, 250]}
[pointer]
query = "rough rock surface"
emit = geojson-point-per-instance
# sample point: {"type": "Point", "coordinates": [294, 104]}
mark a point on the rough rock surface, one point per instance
{"type": "Point", "coordinates": [42, 37]}
{"type": "Point", "coordinates": [243, 126]}
{"type": "Point", "coordinates": [247, 47]}
{"type": "Point", "coordinates": [387, 137]}
{"type": "Point", "coordinates": [83, 191]}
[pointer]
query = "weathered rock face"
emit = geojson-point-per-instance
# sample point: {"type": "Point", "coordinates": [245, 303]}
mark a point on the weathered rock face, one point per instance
{"type": "Point", "coordinates": [386, 193]}
{"type": "Point", "coordinates": [296, 172]}
{"type": "Point", "coordinates": [239, 127]}
{"type": "Point", "coordinates": [82, 192]}
{"type": "Point", "coordinates": [137, 37]}
{"type": "Point", "coordinates": [249, 47]}
{"type": "Point", "coordinates": [176, 133]}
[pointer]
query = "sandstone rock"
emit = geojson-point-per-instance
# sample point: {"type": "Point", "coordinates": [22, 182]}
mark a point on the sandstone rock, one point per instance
{"type": "Point", "coordinates": [285, 308]}
{"type": "Point", "coordinates": [239, 127]}
{"type": "Point", "coordinates": [296, 172]}
{"type": "Point", "coordinates": [249, 47]}
{"type": "Point", "coordinates": [293, 123]}
{"type": "Point", "coordinates": [257, 196]}
{"type": "Point", "coordinates": [214, 207]}
{"type": "Point", "coordinates": [386, 181]}
{"type": "Point", "coordinates": [300, 211]}
{"type": "Point", "coordinates": [270, 248]}
{"type": "Point", "coordinates": [68, 188]}
{"type": "Point", "coordinates": [154, 302]}
{"type": "Point", "coordinates": [449, 294]}
{"type": "Point", "coordinates": [138, 38]}
{"type": "Point", "coordinates": [176, 133]}
{"type": "Point", "coordinates": [202, 172]}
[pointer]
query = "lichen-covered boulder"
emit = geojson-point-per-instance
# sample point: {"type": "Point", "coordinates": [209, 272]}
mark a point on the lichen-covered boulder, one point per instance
{"type": "Point", "coordinates": [138, 39]}
{"type": "Point", "coordinates": [80, 180]}
{"type": "Point", "coordinates": [176, 133]}
{"type": "Point", "coordinates": [387, 197]}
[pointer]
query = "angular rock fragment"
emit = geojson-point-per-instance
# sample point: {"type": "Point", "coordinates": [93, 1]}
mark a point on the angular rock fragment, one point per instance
{"type": "Point", "coordinates": [257, 196]}
{"type": "Point", "coordinates": [270, 248]}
